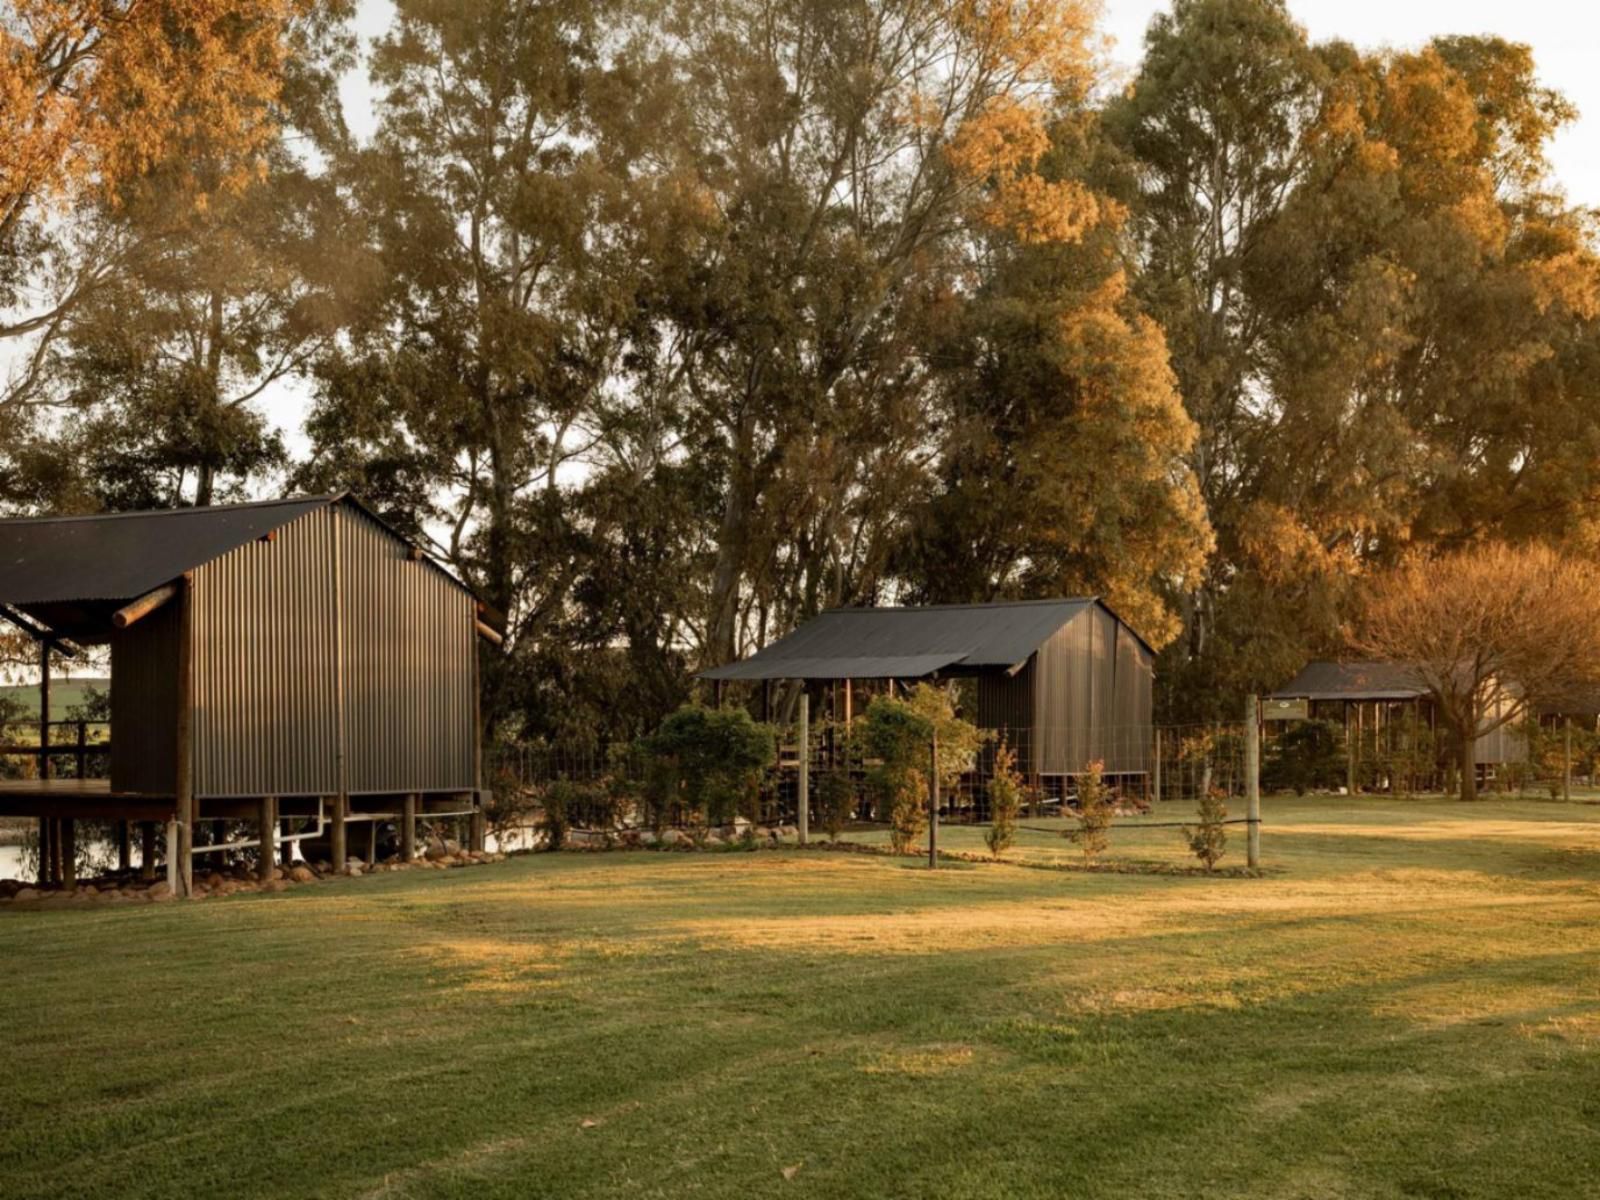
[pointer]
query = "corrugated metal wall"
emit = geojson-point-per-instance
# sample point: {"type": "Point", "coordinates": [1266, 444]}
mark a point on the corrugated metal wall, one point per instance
{"type": "Point", "coordinates": [1005, 704]}
{"type": "Point", "coordinates": [1135, 706]}
{"type": "Point", "coordinates": [408, 647]}
{"type": "Point", "coordinates": [1093, 693]}
{"type": "Point", "coordinates": [268, 671]}
{"type": "Point", "coordinates": [264, 715]}
{"type": "Point", "coordinates": [144, 703]}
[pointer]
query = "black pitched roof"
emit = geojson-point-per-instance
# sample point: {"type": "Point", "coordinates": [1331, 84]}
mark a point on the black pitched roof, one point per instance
{"type": "Point", "coordinates": [1352, 681]}
{"type": "Point", "coordinates": [121, 556]}
{"type": "Point", "coordinates": [908, 643]}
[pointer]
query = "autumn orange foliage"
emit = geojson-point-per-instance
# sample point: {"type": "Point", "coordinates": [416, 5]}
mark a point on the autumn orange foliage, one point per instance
{"type": "Point", "coordinates": [95, 92]}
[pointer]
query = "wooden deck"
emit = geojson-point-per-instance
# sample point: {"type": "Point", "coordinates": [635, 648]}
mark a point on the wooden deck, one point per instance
{"type": "Point", "coordinates": [88, 798]}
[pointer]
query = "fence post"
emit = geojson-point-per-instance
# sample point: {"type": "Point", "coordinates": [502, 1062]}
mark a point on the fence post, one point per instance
{"type": "Point", "coordinates": [1156, 773]}
{"type": "Point", "coordinates": [1252, 777]}
{"type": "Point", "coordinates": [82, 750]}
{"type": "Point", "coordinates": [1349, 752]}
{"type": "Point", "coordinates": [1566, 760]}
{"type": "Point", "coordinates": [933, 802]}
{"type": "Point", "coordinates": [803, 803]}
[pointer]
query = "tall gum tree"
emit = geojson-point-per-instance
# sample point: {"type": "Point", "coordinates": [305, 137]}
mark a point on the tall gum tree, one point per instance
{"type": "Point", "coordinates": [499, 268]}
{"type": "Point", "coordinates": [846, 152]}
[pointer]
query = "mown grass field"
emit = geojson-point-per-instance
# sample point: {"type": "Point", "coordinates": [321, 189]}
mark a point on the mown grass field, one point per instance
{"type": "Point", "coordinates": [1408, 1005]}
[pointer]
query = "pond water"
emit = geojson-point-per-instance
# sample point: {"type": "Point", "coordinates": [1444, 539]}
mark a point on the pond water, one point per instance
{"type": "Point", "coordinates": [20, 862]}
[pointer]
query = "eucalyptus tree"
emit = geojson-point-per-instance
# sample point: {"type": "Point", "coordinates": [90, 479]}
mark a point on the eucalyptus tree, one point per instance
{"type": "Point", "coordinates": [843, 153]}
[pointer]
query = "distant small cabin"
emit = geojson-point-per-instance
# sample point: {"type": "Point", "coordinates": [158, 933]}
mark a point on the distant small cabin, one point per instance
{"type": "Point", "coordinates": [298, 658]}
{"type": "Point", "coordinates": [1375, 700]}
{"type": "Point", "coordinates": [1067, 682]}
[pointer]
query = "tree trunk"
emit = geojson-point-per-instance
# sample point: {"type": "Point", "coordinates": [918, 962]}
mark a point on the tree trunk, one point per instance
{"type": "Point", "coordinates": [732, 540]}
{"type": "Point", "coordinates": [1467, 747]}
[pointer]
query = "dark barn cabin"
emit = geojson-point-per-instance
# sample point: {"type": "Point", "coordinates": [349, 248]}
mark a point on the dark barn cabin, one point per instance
{"type": "Point", "coordinates": [1067, 682]}
{"type": "Point", "coordinates": [1381, 705]}
{"type": "Point", "coordinates": [294, 663]}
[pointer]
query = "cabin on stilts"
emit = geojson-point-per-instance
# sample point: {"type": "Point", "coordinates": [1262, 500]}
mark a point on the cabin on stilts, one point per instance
{"type": "Point", "coordinates": [297, 666]}
{"type": "Point", "coordinates": [1065, 682]}
{"type": "Point", "coordinates": [1390, 726]}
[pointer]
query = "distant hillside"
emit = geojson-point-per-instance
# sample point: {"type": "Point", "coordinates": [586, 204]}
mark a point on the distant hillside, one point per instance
{"type": "Point", "coordinates": [65, 695]}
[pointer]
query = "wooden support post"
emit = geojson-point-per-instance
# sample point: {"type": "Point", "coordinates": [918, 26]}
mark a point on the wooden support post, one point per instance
{"type": "Point", "coordinates": [174, 873]}
{"type": "Point", "coordinates": [933, 802]}
{"type": "Point", "coordinates": [849, 703]}
{"type": "Point", "coordinates": [183, 765]}
{"type": "Point", "coordinates": [408, 829]}
{"type": "Point", "coordinates": [1349, 752]}
{"type": "Point", "coordinates": [1252, 777]}
{"type": "Point", "coordinates": [340, 835]}
{"type": "Point", "coordinates": [1566, 760]}
{"type": "Point", "coordinates": [803, 788]}
{"type": "Point", "coordinates": [1156, 780]}
{"type": "Point", "coordinates": [372, 843]}
{"type": "Point", "coordinates": [44, 851]}
{"type": "Point", "coordinates": [81, 751]}
{"type": "Point", "coordinates": [147, 849]}
{"type": "Point", "coordinates": [267, 832]}
{"type": "Point", "coordinates": [44, 710]}
{"type": "Point", "coordinates": [124, 846]}
{"type": "Point", "coordinates": [69, 852]}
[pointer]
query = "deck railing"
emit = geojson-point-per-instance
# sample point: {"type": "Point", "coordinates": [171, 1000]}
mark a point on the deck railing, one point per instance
{"type": "Point", "coordinates": [87, 745]}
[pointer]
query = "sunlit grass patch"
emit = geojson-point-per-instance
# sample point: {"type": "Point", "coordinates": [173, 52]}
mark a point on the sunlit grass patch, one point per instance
{"type": "Point", "coordinates": [1398, 1008]}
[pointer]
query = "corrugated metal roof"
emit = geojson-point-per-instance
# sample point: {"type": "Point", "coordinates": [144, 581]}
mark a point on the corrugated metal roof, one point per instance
{"type": "Point", "coordinates": [1352, 681]}
{"type": "Point", "coordinates": [121, 556]}
{"type": "Point", "coordinates": [907, 643]}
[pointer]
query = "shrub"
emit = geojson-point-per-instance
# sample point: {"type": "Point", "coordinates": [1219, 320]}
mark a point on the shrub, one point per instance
{"type": "Point", "coordinates": [708, 760]}
{"type": "Point", "coordinates": [1093, 831]}
{"type": "Point", "coordinates": [1005, 801]}
{"type": "Point", "coordinates": [507, 807]}
{"type": "Point", "coordinates": [555, 821]}
{"type": "Point", "coordinates": [1209, 839]}
{"type": "Point", "coordinates": [1306, 756]}
{"type": "Point", "coordinates": [898, 734]}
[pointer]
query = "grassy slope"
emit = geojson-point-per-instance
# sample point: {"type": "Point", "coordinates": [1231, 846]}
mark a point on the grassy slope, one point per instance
{"type": "Point", "coordinates": [1408, 1006]}
{"type": "Point", "coordinates": [65, 695]}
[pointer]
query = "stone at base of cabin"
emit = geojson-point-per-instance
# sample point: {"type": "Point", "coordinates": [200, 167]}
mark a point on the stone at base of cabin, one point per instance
{"type": "Point", "coordinates": [671, 837]}
{"type": "Point", "coordinates": [302, 874]}
{"type": "Point", "coordinates": [275, 885]}
{"type": "Point", "coordinates": [26, 893]}
{"type": "Point", "coordinates": [438, 849]}
{"type": "Point", "coordinates": [713, 840]}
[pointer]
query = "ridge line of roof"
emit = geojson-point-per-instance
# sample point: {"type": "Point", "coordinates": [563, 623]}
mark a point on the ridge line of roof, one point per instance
{"type": "Point", "coordinates": [192, 510]}
{"type": "Point", "coordinates": [890, 608]}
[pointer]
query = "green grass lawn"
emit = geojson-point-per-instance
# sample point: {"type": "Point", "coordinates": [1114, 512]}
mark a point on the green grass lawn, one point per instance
{"type": "Point", "coordinates": [1408, 1005]}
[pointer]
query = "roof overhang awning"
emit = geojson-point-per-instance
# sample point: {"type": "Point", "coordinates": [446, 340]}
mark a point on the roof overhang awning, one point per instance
{"type": "Point", "coordinates": [913, 666]}
{"type": "Point", "coordinates": [1359, 696]}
